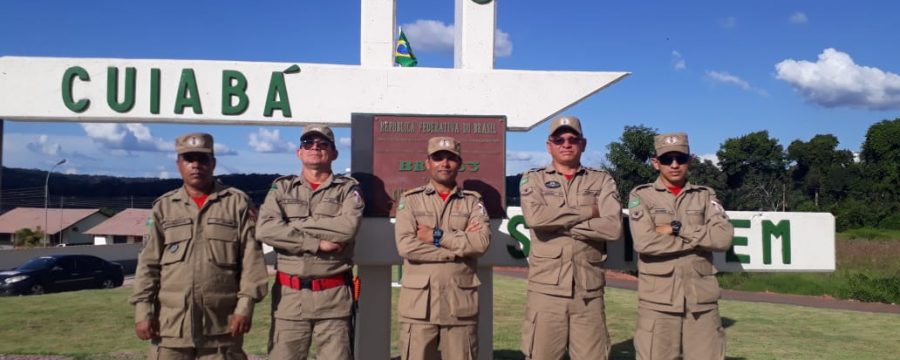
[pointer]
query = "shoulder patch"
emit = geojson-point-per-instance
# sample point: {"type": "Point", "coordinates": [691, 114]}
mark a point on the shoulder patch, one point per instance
{"type": "Point", "coordinates": [634, 202]}
{"type": "Point", "coordinates": [524, 180]}
{"type": "Point", "coordinates": [150, 221]}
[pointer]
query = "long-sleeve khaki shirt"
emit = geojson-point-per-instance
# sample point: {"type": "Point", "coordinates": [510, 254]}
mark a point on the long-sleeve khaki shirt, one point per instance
{"type": "Point", "coordinates": [676, 273]}
{"type": "Point", "coordinates": [293, 219]}
{"type": "Point", "coordinates": [569, 245]}
{"type": "Point", "coordinates": [440, 285]}
{"type": "Point", "coordinates": [199, 266]}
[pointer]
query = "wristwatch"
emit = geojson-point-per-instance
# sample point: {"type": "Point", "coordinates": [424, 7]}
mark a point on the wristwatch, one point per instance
{"type": "Point", "coordinates": [437, 234]}
{"type": "Point", "coordinates": [676, 227]}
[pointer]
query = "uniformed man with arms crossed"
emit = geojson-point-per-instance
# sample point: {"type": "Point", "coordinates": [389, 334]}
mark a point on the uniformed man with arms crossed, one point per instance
{"type": "Point", "coordinates": [311, 220]}
{"type": "Point", "coordinates": [572, 211]}
{"type": "Point", "coordinates": [676, 226]}
{"type": "Point", "coordinates": [441, 231]}
{"type": "Point", "coordinates": [201, 270]}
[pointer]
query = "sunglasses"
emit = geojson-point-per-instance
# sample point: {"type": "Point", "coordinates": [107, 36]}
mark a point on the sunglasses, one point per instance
{"type": "Point", "coordinates": [307, 144]}
{"type": "Point", "coordinates": [558, 140]}
{"type": "Point", "coordinates": [667, 159]}
{"type": "Point", "coordinates": [200, 158]}
{"type": "Point", "coordinates": [443, 155]}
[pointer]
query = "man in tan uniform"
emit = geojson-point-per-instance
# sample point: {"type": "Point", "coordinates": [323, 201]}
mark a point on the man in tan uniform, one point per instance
{"type": "Point", "coordinates": [201, 270]}
{"type": "Point", "coordinates": [311, 220]}
{"type": "Point", "coordinates": [441, 231]}
{"type": "Point", "coordinates": [572, 211]}
{"type": "Point", "coordinates": [676, 226]}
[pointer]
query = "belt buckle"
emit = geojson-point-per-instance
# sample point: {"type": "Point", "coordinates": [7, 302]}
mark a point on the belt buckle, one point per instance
{"type": "Point", "coordinates": [305, 283]}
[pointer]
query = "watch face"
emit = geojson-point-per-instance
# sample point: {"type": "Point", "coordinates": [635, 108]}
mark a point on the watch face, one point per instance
{"type": "Point", "coordinates": [438, 233]}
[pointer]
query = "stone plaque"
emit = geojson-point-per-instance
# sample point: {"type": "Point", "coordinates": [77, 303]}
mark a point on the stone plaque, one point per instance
{"type": "Point", "coordinates": [389, 157]}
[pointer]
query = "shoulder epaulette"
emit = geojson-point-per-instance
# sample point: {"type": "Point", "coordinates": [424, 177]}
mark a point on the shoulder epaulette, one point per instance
{"type": "Point", "coordinates": [345, 179]}
{"type": "Point", "coordinates": [476, 194]}
{"type": "Point", "coordinates": [163, 196]}
{"type": "Point", "coordinates": [286, 177]}
{"type": "Point", "coordinates": [413, 190]}
{"type": "Point", "coordinates": [642, 186]}
{"type": "Point", "coordinates": [534, 170]}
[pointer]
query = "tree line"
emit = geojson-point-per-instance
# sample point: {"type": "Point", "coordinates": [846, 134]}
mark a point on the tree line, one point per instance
{"type": "Point", "coordinates": [757, 173]}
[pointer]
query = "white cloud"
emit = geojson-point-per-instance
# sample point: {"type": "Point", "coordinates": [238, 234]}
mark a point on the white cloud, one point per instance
{"type": "Point", "coordinates": [163, 174]}
{"type": "Point", "coordinates": [711, 157]}
{"type": "Point", "coordinates": [520, 161]}
{"type": "Point", "coordinates": [678, 61]}
{"type": "Point", "coordinates": [269, 141]}
{"type": "Point", "coordinates": [127, 137]}
{"type": "Point", "coordinates": [728, 23]}
{"type": "Point", "coordinates": [799, 18]}
{"type": "Point", "coordinates": [503, 47]}
{"type": "Point", "coordinates": [223, 150]}
{"type": "Point", "coordinates": [71, 170]}
{"type": "Point", "coordinates": [835, 80]}
{"type": "Point", "coordinates": [433, 36]}
{"type": "Point", "coordinates": [44, 146]}
{"type": "Point", "coordinates": [344, 141]}
{"type": "Point", "coordinates": [726, 78]}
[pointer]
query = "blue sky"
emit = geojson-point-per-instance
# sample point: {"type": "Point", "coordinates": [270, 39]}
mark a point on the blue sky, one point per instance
{"type": "Point", "coordinates": [715, 69]}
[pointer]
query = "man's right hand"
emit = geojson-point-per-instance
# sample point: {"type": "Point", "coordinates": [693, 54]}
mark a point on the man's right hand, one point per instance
{"type": "Point", "coordinates": [147, 329]}
{"type": "Point", "coordinates": [328, 246]}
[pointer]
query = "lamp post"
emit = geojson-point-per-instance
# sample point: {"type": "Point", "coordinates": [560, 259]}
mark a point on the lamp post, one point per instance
{"type": "Point", "coordinates": [46, 193]}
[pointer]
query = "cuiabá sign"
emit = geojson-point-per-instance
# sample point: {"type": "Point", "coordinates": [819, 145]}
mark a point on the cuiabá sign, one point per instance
{"type": "Point", "coordinates": [763, 241]}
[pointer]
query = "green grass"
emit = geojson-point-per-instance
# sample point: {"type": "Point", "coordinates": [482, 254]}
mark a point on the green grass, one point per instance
{"type": "Point", "coordinates": [97, 324]}
{"type": "Point", "coordinates": [868, 233]}
{"type": "Point", "coordinates": [867, 270]}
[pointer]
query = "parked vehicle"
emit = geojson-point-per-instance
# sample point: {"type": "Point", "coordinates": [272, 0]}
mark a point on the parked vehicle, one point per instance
{"type": "Point", "coordinates": [60, 273]}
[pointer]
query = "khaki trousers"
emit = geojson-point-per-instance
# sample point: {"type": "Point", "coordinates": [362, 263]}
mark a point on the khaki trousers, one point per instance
{"type": "Point", "coordinates": [421, 341]}
{"type": "Point", "coordinates": [555, 323]}
{"type": "Point", "coordinates": [691, 336]}
{"type": "Point", "coordinates": [291, 339]}
{"type": "Point", "coordinates": [233, 352]}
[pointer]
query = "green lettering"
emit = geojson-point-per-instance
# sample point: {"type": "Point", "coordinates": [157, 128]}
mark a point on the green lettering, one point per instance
{"type": "Point", "coordinates": [406, 166]}
{"type": "Point", "coordinates": [475, 165]}
{"type": "Point", "coordinates": [730, 255]}
{"type": "Point", "coordinates": [277, 99]}
{"type": "Point", "coordinates": [781, 230]}
{"type": "Point", "coordinates": [67, 82]}
{"type": "Point", "coordinates": [112, 89]}
{"type": "Point", "coordinates": [522, 239]}
{"type": "Point", "coordinates": [154, 90]}
{"type": "Point", "coordinates": [419, 166]}
{"type": "Point", "coordinates": [188, 95]}
{"type": "Point", "coordinates": [234, 84]}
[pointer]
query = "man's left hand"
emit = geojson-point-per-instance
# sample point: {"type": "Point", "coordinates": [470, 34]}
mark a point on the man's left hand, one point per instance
{"type": "Point", "coordinates": [664, 229]}
{"type": "Point", "coordinates": [425, 234]}
{"type": "Point", "coordinates": [238, 325]}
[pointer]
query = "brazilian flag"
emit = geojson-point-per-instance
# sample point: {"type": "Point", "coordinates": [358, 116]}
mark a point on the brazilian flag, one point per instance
{"type": "Point", "coordinates": [403, 55]}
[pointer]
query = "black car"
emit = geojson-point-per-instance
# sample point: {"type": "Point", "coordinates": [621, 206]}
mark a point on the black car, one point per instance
{"type": "Point", "coordinates": [60, 273]}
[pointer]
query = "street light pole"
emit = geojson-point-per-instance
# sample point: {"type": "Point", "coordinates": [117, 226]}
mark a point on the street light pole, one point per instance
{"type": "Point", "coordinates": [46, 193]}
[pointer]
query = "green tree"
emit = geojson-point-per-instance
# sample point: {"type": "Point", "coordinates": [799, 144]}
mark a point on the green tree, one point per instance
{"type": "Point", "coordinates": [706, 173]}
{"type": "Point", "coordinates": [28, 237]}
{"type": "Point", "coordinates": [629, 158]}
{"type": "Point", "coordinates": [755, 172]}
{"type": "Point", "coordinates": [821, 170]}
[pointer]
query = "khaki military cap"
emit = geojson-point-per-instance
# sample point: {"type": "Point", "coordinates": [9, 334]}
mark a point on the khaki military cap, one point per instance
{"type": "Point", "coordinates": [677, 142]}
{"type": "Point", "coordinates": [194, 142]}
{"type": "Point", "coordinates": [566, 121]}
{"type": "Point", "coordinates": [318, 129]}
{"type": "Point", "coordinates": [443, 143]}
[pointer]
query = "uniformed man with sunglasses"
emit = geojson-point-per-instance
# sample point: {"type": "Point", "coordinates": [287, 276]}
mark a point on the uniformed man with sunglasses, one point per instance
{"type": "Point", "coordinates": [311, 220]}
{"type": "Point", "coordinates": [201, 270]}
{"type": "Point", "coordinates": [571, 211]}
{"type": "Point", "coordinates": [441, 231]}
{"type": "Point", "coordinates": [676, 226]}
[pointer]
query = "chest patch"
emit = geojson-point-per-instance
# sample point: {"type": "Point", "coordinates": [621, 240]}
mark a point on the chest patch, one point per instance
{"type": "Point", "coordinates": [552, 184]}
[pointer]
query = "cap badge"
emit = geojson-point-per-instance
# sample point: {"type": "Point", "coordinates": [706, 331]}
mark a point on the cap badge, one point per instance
{"type": "Point", "coordinates": [564, 121]}
{"type": "Point", "coordinates": [193, 141]}
{"type": "Point", "coordinates": [445, 143]}
{"type": "Point", "coordinates": [671, 140]}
